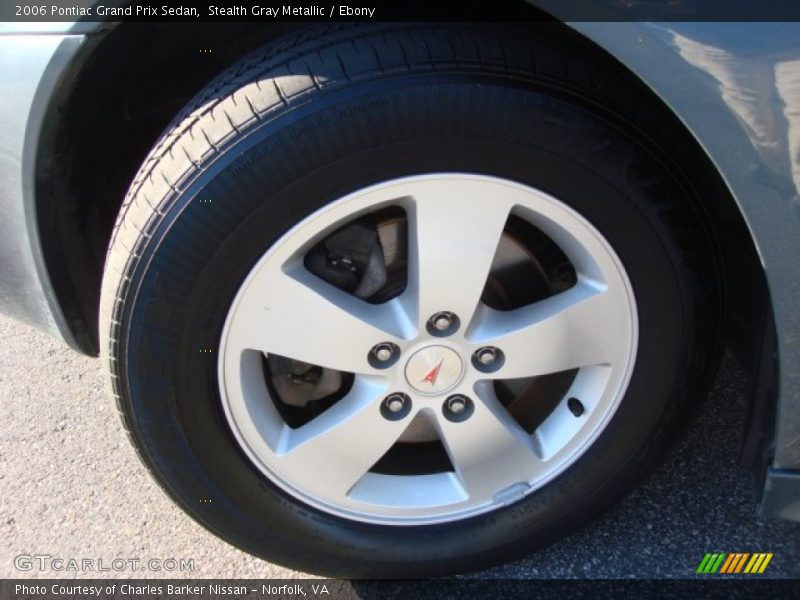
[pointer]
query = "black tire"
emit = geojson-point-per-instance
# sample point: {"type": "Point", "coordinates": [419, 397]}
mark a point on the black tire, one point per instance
{"type": "Point", "coordinates": [312, 118]}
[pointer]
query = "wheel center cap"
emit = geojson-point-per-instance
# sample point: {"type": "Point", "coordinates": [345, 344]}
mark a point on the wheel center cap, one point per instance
{"type": "Point", "coordinates": [434, 370]}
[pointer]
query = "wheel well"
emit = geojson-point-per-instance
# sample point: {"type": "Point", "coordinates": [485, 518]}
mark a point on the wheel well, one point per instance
{"type": "Point", "coordinates": [121, 92]}
{"type": "Point", "coordinates": [131, 81]}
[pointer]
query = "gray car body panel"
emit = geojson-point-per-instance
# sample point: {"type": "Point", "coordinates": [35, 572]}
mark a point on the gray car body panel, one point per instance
{"type": "Point", "coordinates": [30, 68]}
{"type": "Point", "coordinates": [736, 87]}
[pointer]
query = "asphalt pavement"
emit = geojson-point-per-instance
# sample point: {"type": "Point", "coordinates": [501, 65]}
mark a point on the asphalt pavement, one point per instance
{"type": "Point", "coordinates": [72, 487]}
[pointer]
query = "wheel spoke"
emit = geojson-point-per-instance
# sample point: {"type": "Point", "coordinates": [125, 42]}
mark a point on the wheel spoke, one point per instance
{"type": "Point", "coordinates": [299, 316]}
{"type": "Point", "coordinates": [490, 451]}
{"type": "Point", "coordinates": [453, 238]}
{"type": "Point", "coordinates": [341, 444]}
{"type": "Point", "coordinates": [585, 325]}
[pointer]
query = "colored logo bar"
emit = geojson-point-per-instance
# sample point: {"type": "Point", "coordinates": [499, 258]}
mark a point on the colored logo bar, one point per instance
{"type": "Point", "coordinates": [735, 562]}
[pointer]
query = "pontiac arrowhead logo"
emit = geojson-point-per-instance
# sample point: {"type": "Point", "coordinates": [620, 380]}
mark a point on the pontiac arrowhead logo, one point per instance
{"type": "Point", "coordinates": [431, 377]}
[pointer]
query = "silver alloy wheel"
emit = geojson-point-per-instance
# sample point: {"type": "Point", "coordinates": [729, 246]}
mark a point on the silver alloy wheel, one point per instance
{"type": "Point", "coordinates": [454, 225]}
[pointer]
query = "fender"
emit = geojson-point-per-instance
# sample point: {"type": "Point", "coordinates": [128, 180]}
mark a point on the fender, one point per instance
{"type": "Point", "coordinates": [736, 87]}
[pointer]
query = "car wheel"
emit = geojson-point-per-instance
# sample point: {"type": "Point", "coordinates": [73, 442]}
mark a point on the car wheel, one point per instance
{"type": "Point", "coordinates": [397, 300]}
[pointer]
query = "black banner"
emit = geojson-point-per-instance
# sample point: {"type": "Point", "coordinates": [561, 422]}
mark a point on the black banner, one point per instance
{"type": "Point", "coordinates": [444, 589]}
{"type": "Point", "coordinates": [391, 10]}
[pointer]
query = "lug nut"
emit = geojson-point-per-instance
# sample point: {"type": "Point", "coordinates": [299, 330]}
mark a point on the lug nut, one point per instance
{"type": "Point", "coordinates": [396, 406]}
{"type": "Point", "coordinates": [487, 356]}
{"type": "Point", "coordinates": [383, 355]}
{"type": "Point", "coordinates": [488, 359]}
{"type": "Point", "coordinates": [456, 405]}
{"type": "Point", "coordinates": [457, 408]}
{"type": "Point", "coordinates": [442, 323]}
